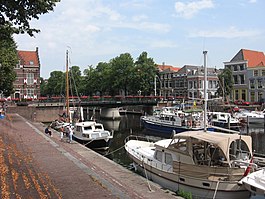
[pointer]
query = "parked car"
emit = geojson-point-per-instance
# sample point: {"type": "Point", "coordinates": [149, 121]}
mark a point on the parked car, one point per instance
{"type": "Point", "coordinates": [242, 102]}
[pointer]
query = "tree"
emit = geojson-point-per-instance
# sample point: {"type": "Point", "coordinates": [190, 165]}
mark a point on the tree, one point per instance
{"type": "Point", "coordinates": [226, 83]}
{"type": "Point", "coordinates": [121, 67]}
{"type": "Point", "coordinates": [56, 84]}
{"type": "Point", "coordinates": [145, 70]}
{"type": "Point", "coordinates": [8, 59]}
{"type": "Point", "coordinates": [17, 14]}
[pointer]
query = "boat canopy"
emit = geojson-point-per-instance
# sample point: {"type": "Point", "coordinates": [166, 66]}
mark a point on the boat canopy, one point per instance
{"type": "Point", "coordinates": [221, 140]}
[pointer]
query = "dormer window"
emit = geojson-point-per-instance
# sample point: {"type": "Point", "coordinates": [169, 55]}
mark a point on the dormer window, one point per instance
{"type": "Point", "coordinates": [31, 62]}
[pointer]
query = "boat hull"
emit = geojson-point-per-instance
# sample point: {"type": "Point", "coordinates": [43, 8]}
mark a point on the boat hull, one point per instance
{"type": "Point", "coordinates": [97, 144]}
{"type": "Point", "coordinates": [198, 188]}
{"type": "Point", "coordinates": [164, 129]}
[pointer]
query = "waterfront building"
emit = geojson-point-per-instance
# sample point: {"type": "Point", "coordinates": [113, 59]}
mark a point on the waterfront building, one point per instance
{"type": "Point", "coordinates": [248, 70]}
{"type": "Point", "coordinates": [27, 83]}
{"type": "Point", "coordinates": [166, 73]}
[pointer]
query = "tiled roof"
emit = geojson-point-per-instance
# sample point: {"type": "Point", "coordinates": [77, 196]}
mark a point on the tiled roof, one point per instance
{"type": "Point", "coordinates": [254, 58]}
{"type": "Point", "coordinates": [29, 58]}
{"type": "Point", "coordinates": [167, 67]}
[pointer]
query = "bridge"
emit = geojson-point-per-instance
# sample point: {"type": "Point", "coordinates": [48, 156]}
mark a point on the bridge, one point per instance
{"type": "Point", "coordinates": [95, 101]}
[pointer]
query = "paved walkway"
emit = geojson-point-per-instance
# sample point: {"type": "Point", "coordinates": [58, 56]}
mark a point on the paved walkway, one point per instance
{"type": "Point", "coordinates": [35, 165]}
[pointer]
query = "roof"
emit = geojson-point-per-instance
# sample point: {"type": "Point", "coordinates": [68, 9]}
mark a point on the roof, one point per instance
{"type": "Point", "coordinates": [254, 58]}
{"type": "Point", "coordinates": [29, 58]}
{"type": "Point", "coordinates": [167, 67]}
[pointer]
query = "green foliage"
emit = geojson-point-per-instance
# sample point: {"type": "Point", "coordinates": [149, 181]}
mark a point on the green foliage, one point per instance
{"type": "Point", "coordinates": [226, 83]}
{"type": "Point", "coordinates": [55, 85]}
{"type": "Point", "coordinates": [121, 76]}
{"type": "Point", "coordinates": [17, 14]}
{"type": "Point", "coordinates": [8, 60]}
{"type": "Point", "coordinates": [184, 194]}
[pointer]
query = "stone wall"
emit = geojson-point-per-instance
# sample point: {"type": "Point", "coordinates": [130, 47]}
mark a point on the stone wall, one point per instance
{"type": "Point", "coordinates": [37, 114]}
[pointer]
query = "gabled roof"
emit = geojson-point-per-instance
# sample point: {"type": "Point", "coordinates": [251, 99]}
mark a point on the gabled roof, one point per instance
{"type": "Point", "coordinates": [164, 67]}
{"type": "Point", "coordinates": [254, 58]}
{"type": "Point", "coordinates": [29, 58]}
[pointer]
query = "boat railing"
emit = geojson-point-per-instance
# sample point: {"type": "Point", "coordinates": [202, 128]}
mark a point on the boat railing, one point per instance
{"type": "Point", "coordinates": [137, 137]}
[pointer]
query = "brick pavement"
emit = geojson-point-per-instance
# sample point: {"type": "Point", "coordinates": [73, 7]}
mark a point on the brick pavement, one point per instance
{"type": "Point", "coordinates": [34, 165]}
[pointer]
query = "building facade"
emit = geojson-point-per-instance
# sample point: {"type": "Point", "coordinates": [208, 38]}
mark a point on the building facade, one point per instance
{"type": "Point", "coordinates": [188, 82]}
{"type": "Point", "coordinates": [248, 70]}
{"type": "Point", "coordinates": [27, 83]}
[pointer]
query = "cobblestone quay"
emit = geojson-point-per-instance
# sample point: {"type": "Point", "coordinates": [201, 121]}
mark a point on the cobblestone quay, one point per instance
{"type": "Point", "coordinates": [35, 165]}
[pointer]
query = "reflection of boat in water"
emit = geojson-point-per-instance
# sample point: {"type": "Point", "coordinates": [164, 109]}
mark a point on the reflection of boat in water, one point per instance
{"type": "Point", "coordinates": [92, 134]}
{"type": "Point", "coordinates": [111, 124]}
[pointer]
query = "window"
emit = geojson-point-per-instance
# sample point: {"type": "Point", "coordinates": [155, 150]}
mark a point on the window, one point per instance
{"type": "Point", "coordinates": [235, 79]}
{"type": "Point", "coordinates": [242, 67]}
{"type": "Point", "coordinates": [259, 96]}
{"type": "Point", "coordinates": [252, 83]}
{"type": "Point", "coordinates": [31, 62]}
{"type": "Point", "coordinates": [236, 95]}
{"type": "Point", "coordinates": [30, 78]}
{"type": "Point", "coordinates": [235, 67]}
{"type": "Point", "coordinates": [263, 73]}
{"type": "Point", "coordinates": [252, 96]}
{"type": "Point", "coordinates": [210, 84]}
{"type": "Point", "coordinates": [255, 73]}
{"type": "Point", "coordinates": [168, 158]}
{"type": "Point", "coordinates": [243, 95]}
{"type": "Point", "coordinates": [158, 155]}
{"type": "Point", "coordinates": [195, 84]}
{"type": "Point", "coordinates": [30, 93]}
{"type": "Point", "coordinates": [190, 84]}
{"type": "Point", "coordinates": [259, 83]}
{"type": "Point", "coordinates": [242, 79]}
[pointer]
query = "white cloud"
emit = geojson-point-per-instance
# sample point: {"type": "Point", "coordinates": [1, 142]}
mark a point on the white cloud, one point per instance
{"type": "Point", "coordinates": [231, 32]}
{"type": "Point", "coordinates": [252, 1]}
{"type": "Point", "coordinates": [162, 44]}
{"type": "Point", "coordinates": [188, 10]}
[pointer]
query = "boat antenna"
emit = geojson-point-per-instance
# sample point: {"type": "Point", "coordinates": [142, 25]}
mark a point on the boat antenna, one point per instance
{"type": "Point", "coordinates": [205, 91]}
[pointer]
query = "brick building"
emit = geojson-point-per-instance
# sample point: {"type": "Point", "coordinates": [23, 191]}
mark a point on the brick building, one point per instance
{"type": "Point", "coordinates": [27, 83]}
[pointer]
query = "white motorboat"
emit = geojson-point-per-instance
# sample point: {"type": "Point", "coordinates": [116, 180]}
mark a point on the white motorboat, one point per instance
{"type": "Point", "coordinates": [207, 164]}
{"type": "Point", "coordinates": [223, 120]}
{"type": "Point", "coordinates": [251, 117]}
{"type": "Point", "coordinates": [255, 182]}
{"type": "Point", "coordinates": [92, 134]}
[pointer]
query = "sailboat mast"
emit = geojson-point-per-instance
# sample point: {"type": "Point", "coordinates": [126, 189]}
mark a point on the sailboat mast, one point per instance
{"type": "Point", "coordinates": [67, 89]}
{"type": "Point", "coordinates": [205, 91]}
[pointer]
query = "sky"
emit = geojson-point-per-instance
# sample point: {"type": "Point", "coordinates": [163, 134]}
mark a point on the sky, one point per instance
{"type": "Point", "coordinates": [174, 32]}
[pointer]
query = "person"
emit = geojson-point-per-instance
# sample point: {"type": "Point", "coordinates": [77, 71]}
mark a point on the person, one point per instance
{"type": "Point", "coordinates": [70, 132]}
{"type": "Point", "coordinates": [48, 131]}
{"type": "Point", "coordinates": [61, 133]}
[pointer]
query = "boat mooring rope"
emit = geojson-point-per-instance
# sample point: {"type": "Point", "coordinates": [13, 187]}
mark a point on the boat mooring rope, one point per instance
{"type": "Point", "coordinates": [216, 189]}
{"type": "Point", "coordinates": [114, 151]}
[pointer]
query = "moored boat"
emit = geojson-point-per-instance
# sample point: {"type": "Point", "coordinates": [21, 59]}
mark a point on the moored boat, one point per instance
{"type": "Point", "coordinates": [92, 134]}
{"type": "Point", "coordinates": [207, 164]}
